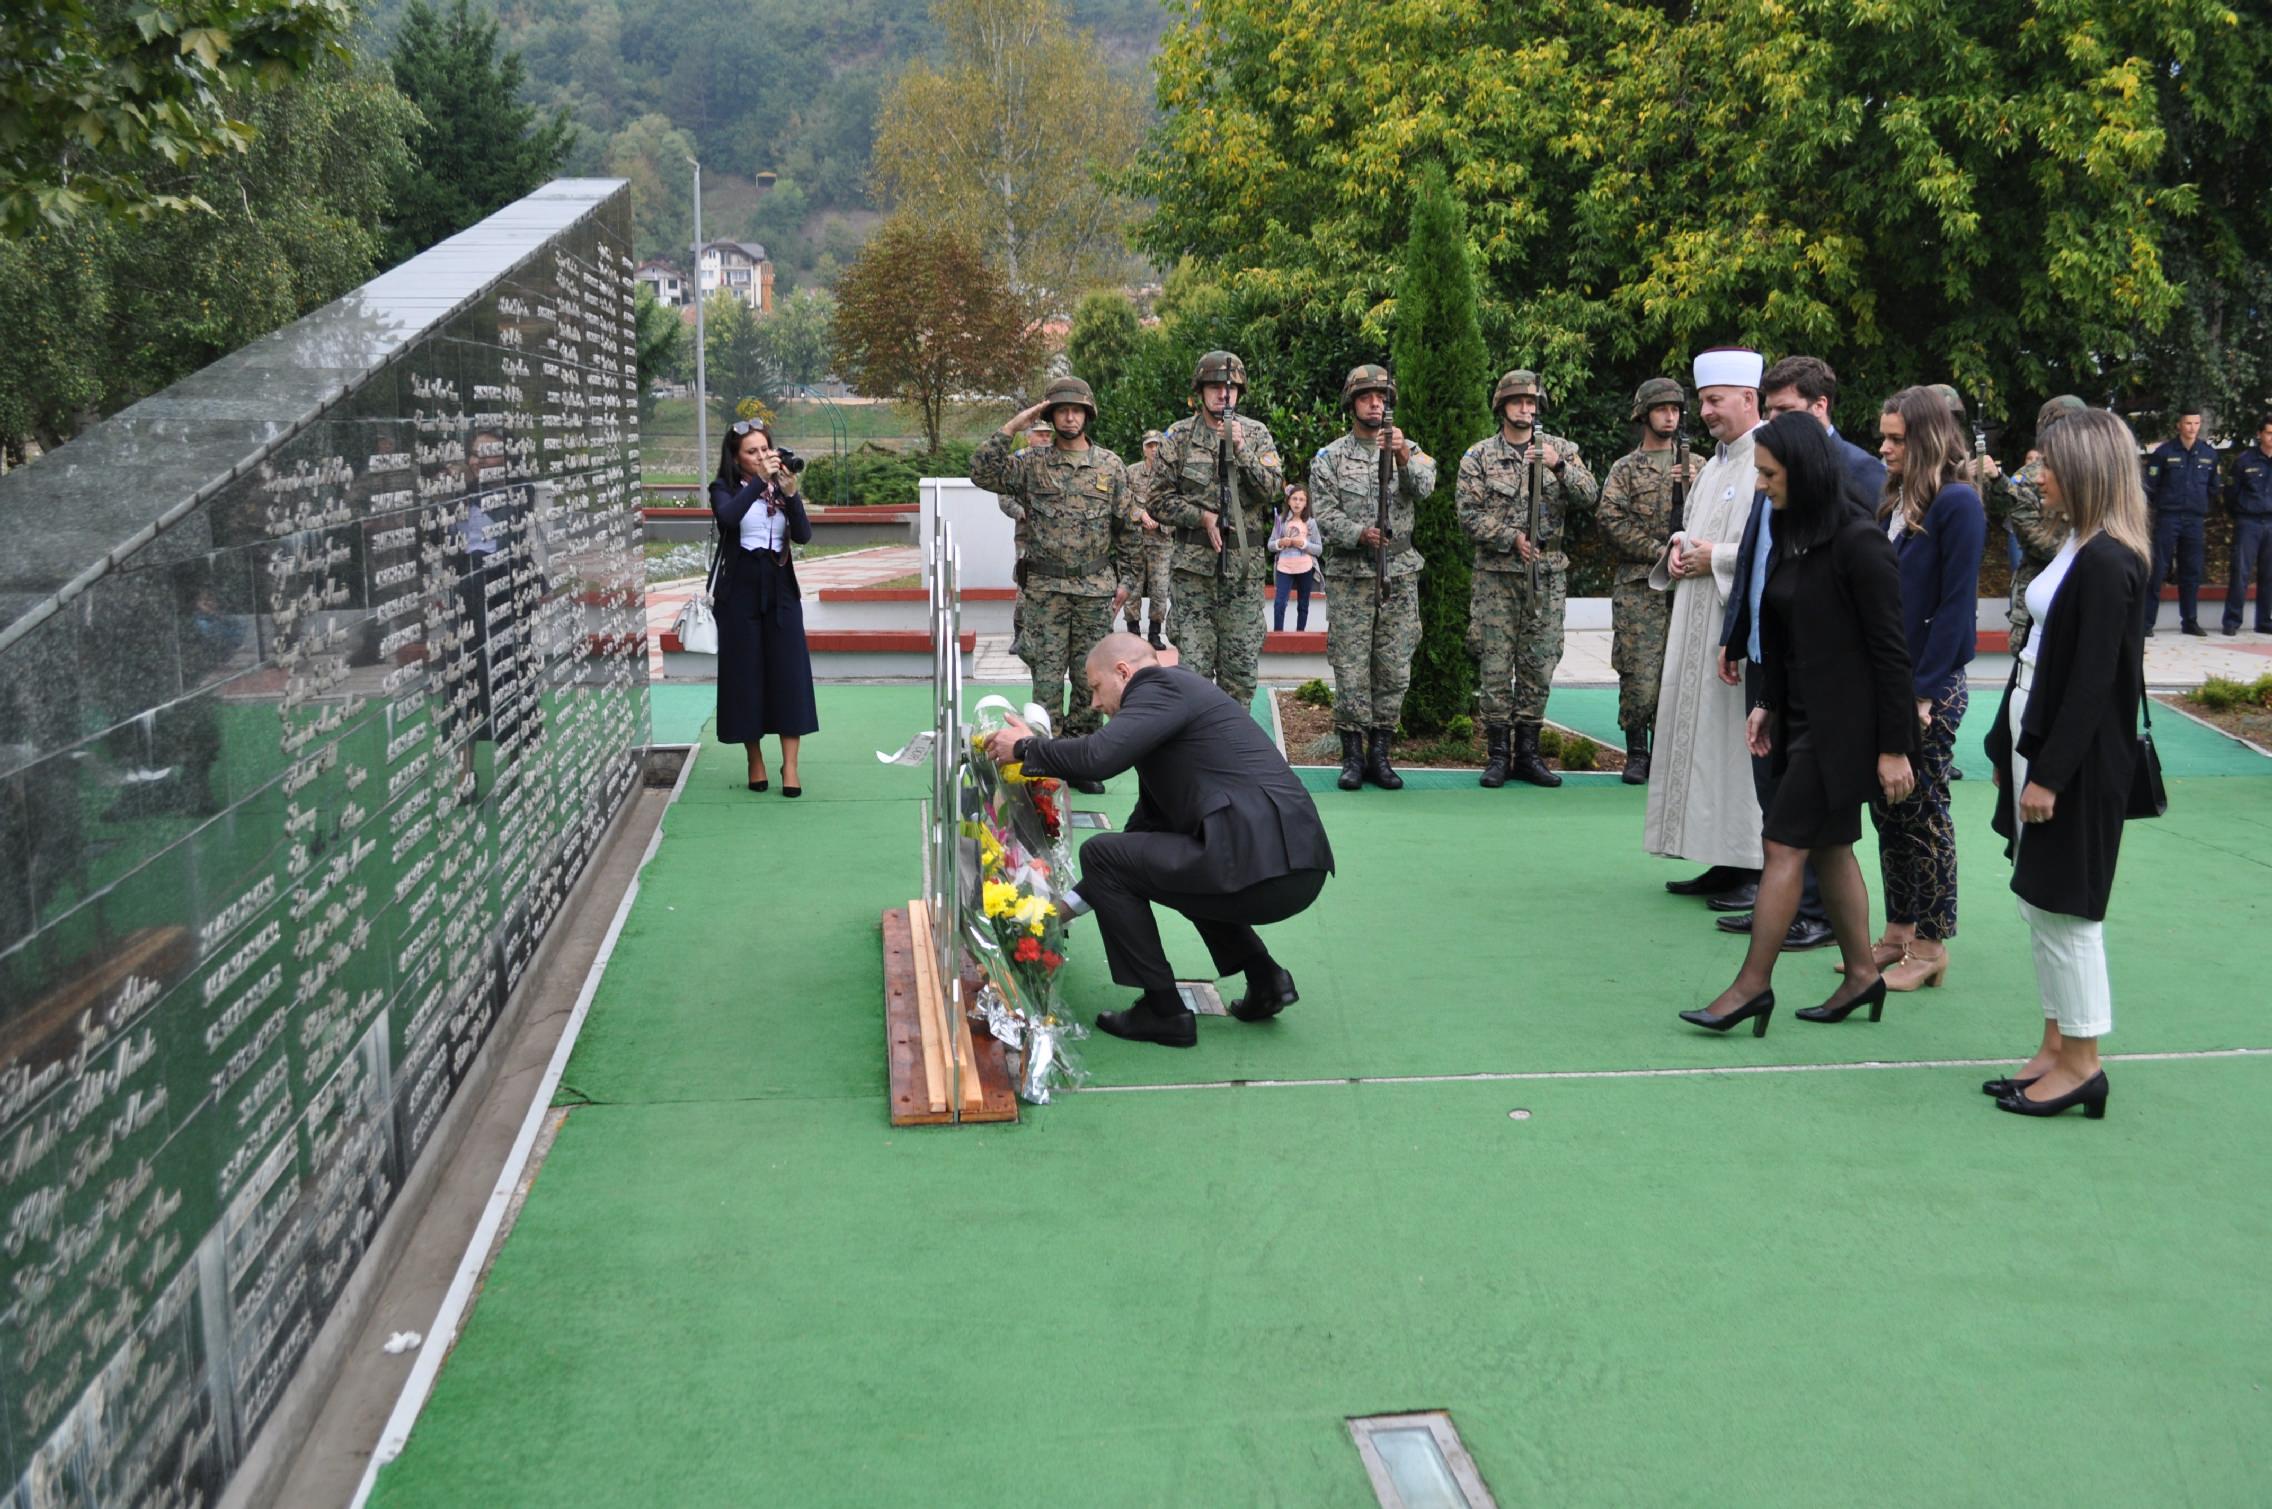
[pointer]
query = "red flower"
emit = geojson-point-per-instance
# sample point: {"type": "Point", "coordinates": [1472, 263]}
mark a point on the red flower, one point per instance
{"type": "Point", "coordinates": [1051, 958]}
{"type": "Point", "coordinates": [1028, 950]}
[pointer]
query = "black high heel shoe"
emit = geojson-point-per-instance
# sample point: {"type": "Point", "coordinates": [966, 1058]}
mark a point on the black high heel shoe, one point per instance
{"type": "Point", "coordinates": [760, 785]}
{"type": "Point", "coordinates": [2090, 1095]}
{"type": "Point", "coordinates": [792, 791]}
{"type": "Point", "coordinates": [1758, 1009]}
{"type": "Point", "coordinates": [1999, 1088]}
{"type": "Point", "coordinates": [1872, 997]}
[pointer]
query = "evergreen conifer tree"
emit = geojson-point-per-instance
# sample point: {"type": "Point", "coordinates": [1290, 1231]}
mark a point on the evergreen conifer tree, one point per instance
{"type": "Point", "coordinates": [482, 146]}
{"type": "Point", "coordinates": [1443, 382]}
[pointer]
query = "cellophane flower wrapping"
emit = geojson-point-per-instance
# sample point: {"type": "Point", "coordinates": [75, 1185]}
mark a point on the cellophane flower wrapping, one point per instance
{"type": "Point", "coordinates": [1017, 927]}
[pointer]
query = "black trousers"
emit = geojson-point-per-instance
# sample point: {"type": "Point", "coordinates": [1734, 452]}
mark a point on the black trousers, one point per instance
{"type": "Point", "coordinates": [1121, 881]}
{"type": "Point", "coordinates": [1763, 783]}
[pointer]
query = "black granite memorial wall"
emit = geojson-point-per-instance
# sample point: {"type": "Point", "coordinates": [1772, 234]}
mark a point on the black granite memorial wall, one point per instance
{"type": "Point", "coordinates": [321, 673]}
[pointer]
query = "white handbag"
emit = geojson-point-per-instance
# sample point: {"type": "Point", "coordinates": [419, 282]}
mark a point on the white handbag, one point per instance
{"type": "Point", "coordinates": [696, 626]}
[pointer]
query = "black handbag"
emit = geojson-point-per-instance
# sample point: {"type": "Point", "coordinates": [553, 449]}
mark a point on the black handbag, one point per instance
{"type": "Point", "coordinates": [2148, 797]}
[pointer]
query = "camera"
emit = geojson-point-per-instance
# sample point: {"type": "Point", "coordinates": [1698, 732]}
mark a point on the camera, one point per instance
{"type": "Point", "coordinates": [790, 460]}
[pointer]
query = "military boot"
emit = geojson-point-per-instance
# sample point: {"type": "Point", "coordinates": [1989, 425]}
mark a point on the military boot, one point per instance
{"type": "Point", "coordinates": [1494, 756]}
{"type": "Point", "coordinates": [1377, 768]}
{"type": "Point", "coordinates": [1528, 766]}
{"type": "Point", "coordinates": [1637, 757]}
{"type": "Point", "coordinates": [1157, 641]}
{"type": "Point", "coordinates": [1352, 758]}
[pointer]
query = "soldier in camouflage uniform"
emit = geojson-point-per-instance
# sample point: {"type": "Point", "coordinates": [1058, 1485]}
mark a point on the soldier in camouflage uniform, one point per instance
{"type": "Point", "coordinates": [1078, 554]}
{"type": "Point", "coordinates": [2018, 500]}
{"type": "Point", "coordinates": [1157, 546]}
{"type": "Point", "coordinates": [1222, 559]}
{"type": "Point", "coordinates": [1517, 625]}
{"type": "Point", "coordinates": [1636, 515]}
{"type": "Point", "coordinates": [1040, 436]}
{"type": "Point", "coordinates": [1370, 634]}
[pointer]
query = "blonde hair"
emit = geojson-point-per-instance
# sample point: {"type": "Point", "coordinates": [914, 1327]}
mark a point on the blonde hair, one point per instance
{"type": "Point", "coordinates": [2095, 457]}
{"type": "Point", "coordinates": [1934, 455]}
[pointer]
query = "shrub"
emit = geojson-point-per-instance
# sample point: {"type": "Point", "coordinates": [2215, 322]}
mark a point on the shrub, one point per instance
{"type": "Point", "coordinates": [1550, 742]}
{"type": "Point", "coordinates": [1460, 729]}
{"type": "Point", "coordinates": [2219, 694]}
{"type": "Point", "coordinates": [1314, 693]}
{"type": "Point", "coordinates": [1580, 753]}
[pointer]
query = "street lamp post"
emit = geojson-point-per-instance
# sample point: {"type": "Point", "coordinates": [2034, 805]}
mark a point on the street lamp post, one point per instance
{"type": "Point", "coordinates": [701, 373]}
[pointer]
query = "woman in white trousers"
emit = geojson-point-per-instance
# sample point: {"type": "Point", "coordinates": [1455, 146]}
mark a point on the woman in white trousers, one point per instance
{"type": "Point", "coordinates": [2064, 746]}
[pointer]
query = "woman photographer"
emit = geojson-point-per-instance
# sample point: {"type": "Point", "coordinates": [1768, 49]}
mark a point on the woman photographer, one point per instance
{"type": "Point", "coordinates": [765, 672]}
{"type": "Point", "coordinates": [2065, 748]}
{"type": "Point", "coordinates": [1834, 714]}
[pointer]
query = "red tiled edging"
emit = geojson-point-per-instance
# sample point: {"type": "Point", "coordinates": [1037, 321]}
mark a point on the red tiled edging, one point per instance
{"type": "Point", "coordinates": [913, 595]}
{"type": "Point", "coordinates": [860, 641]}
{"type": "Point", "coordinates": [894, 513]}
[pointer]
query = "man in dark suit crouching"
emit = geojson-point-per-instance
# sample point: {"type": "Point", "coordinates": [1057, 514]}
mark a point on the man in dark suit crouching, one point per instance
{"type": "Point", "coordinates": [1223, 832]}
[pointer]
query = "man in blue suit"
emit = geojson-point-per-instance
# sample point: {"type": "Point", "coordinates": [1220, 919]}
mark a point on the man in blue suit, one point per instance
{"type": "Point", "coordinates": [1796, 384]}
{"type": "Point", "coordinates": [2181, 478]}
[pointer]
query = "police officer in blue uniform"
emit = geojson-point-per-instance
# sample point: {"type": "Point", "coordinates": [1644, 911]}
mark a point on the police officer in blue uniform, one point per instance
{"type": "Point", "coordinates": [2181, 477]}
{"type": "Point", "coordinates": [2248, 493]}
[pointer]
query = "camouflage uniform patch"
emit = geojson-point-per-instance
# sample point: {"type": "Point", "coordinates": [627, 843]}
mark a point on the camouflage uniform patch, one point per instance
{"type": "Point", "coordinates": [1518, 638]}
{"type": "Point", "coordinates": [1369, 639]}
{"type": "Point", "coordinates": [1220, 614]}
{"type": "Point", "coordinates": [1636, 516]}
{"type": "Point", "coordinates": [1157, 547]}
{"type": "Point", "coordinates": [1075, 550]}
{"type": "Point", "coordinates": [2039, 535]}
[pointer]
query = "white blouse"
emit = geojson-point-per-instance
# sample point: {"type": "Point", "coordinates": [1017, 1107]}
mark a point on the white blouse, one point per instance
{"type": "Point", "coordinates": [763, 529]}
{"type": "Point", "coordinates": [2040, 594]}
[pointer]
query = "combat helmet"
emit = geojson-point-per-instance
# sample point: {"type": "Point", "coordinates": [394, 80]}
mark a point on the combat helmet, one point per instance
{"type": "Point", "coordinates": [1069, 389]}
{"type": "Point", "coordinates": [1372, 377]}
{"type": "Point", "coordinates": [1222, 367]}
{"type": "Point", "coordinates": [1154, 437]}
{"type": "Point", "coordinates": [1949, 396]}
{"type": "Point", "coordinates": [2056, 409]}
{"type": "Point", "coordinates": [1655, 391]}
{"type": "Point", "coordinates": [1514, 384]}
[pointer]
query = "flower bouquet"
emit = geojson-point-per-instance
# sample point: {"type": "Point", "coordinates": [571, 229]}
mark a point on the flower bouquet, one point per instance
{"type": "Point", "coordinates": [1017, 929]}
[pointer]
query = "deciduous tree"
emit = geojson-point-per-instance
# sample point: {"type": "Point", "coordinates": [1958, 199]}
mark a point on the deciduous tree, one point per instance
{"type": "Point", "coordinates": [1017, 142]}
{"type": "Point", "coordinates": [657, 159]}
{"type": "Point", "coordinates": [923, 317]}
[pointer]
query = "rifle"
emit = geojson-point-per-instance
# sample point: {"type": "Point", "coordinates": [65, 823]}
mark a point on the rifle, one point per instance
{"type": "Point", "coordinates": [1679, 468]}
{"type": "Point", "coordinates": [1224, 500]}
{"type": "Point", "coordinates": [1537, 509]}
{"type": "Point", "coordinates": [1380, 513]}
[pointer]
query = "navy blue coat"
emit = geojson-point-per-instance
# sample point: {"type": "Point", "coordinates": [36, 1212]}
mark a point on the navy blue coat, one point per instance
{"type": "Point", "coordinates": [1940, 587]}
{"type": "Point", "coordinates": [2180, 479]}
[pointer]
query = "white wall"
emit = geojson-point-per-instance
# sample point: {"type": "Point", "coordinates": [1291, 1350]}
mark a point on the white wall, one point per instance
{"type": "Point", "coordinates": [983, 533]}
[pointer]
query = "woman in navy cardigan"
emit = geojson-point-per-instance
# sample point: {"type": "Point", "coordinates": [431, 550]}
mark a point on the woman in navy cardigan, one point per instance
{"type": "Point", "coordinates": [1938, 529]}
{"type": "Point", "coordinates": [765, 672]}
{"type": "Point", "coordinates": [2065, 747]}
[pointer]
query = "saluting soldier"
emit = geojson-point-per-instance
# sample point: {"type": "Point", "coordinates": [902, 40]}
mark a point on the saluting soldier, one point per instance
{"type": "Point", "coordinates": [1518, 627]}
{"type": "Point", "coordinates": [1636, 515]}
{"type": "Point", "coordinates": [1155, 544]}
{"type": "Point", "coordinates": [1371, 630]}
{"type": "Point", "coordinates": [1077, 553]}
{"type": "Point", "coordinates": [1222, 548]}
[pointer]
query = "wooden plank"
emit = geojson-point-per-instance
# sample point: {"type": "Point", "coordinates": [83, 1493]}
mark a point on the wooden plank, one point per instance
{"type": "Point", "coordinates": [930, 1014]}
{"type": "Point", "coordinates": [998, 1098]}
{"type": "Point", "coordinates": [966, 1064]}
{"type": "Point", "coordinates": [903, 1036]}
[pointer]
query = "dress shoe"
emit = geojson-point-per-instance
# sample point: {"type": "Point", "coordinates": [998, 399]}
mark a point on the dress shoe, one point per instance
{"type": "Point", "coordinates": [1871, 995]}
{"type": "Point", "coordinates": [761, 785]}
{"type": "Point", "coordinates": [1740, 898]}
{"type": "Point", "coordinates": [1153, 1020]}
{"type": "Point", "coordinates": [2232, 631]}
{"type": "Point", "coordinates": [2192, 631]}
{"type": "Point", "coordinates": [1803, 933]}
{"type": "Point", "coordinates": [1758, 1009]}
{"type": "Point", "coordinates": [2090, 1095]}
{"type": "Point", "coordinates": [1717, 878]}
{"type": "Point", "coordinates": [1087, 788]}
{"type": "Point", "coordinates": [1999, 1088]}
{"type": "Point", "coordinates": [1883, 954]}
{"type": "Point", "coordinates": [1265, 998]}
{"type": "Point", "coordinates": [792, 791]}
{"type": "Point", "coordinates": [1955, 774]}
{"type": "Point", "coordinates": [2149, 631]}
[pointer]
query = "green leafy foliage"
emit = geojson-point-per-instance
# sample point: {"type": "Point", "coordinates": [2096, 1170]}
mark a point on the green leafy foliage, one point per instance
{"type": "Point", "coordinates": [1441, 372]}
{"type": "Point", "coordinates": [2222, 694]}
{"type": "Point", "coordinates": [100, 313]}
{"type": "Point", "coordinates": [481, 146]}
{"type": "Point", "coordinates": [662, 353]}
{"type": "Point", "coordinates": [878, 475]}
{"type": "Point", "coordinates": [2020, 199]}
{"type": "Point", "coordinates": [109, 110]}
{"type": "Point", "coordinates": [1314, 693]}
{"type": "Point", "coordinates": [735, 363]}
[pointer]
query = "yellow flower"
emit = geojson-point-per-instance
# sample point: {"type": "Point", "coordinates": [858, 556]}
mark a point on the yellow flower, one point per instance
{"type": "Point", "coordinates": [989, 849]}
{"type": "Point", "coordinates": [1036, 929]}
{"type": "Point", "coordinates": [1001, 898]}
{"type": "Point", "coordinates": [1015, 773]}
{"type": "Point", "coordinates": [1033, 911]}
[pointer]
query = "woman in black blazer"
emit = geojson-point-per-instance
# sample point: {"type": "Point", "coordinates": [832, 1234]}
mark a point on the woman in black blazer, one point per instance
{"type": "Point", "coordinates": [765, 673]}
{"type": "Point", "coordinates": [1835, 716]}
{"type": "Point", "coordinates": [2066, 741]}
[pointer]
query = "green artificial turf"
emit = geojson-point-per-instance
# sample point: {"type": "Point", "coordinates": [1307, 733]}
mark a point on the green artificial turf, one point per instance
{"type": "Point", "coordinates": [734, 1283]}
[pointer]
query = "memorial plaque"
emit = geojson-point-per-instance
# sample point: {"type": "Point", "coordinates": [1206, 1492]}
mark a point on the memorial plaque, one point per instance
{"type": "Point", "coordinates": [321, 675]}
